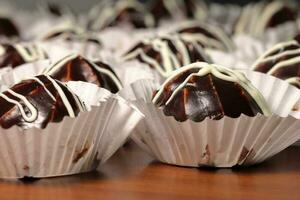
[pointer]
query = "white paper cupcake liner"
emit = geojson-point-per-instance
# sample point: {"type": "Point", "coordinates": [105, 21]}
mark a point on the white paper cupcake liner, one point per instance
{"type": "Point", "coordinates": [219, 143]}
{"type": "Point", "coordinates": [75, 145]}
{"type": "Point", "coordinates": [131, 71]}
{"type": "Point", "coordinates": [13, 76]}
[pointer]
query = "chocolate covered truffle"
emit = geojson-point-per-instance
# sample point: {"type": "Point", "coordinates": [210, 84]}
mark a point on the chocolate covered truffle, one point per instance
{"type": "Point", "coordinates": [8, 28]}
{"type": "Point", "coordinates": [207, 36]}
{"type": "Point", "coordinates": [193, 9]}
{"type": "Point", "coordinates": [36, 102]}
{"type": "Point", "coordinates": [13, 55]}
{"type": "Point", "coordinates": [167, 53]}
{"type": "Point", "coordinates": [257, 18]}
{"type": "Point", "coordinates": [203, 90]}
{"type": "Point", "coordinates": [55, 10]}
{"type": "Point", "coordinates": [281, 61]}
{"type": "Point", "coordinates": [76, 68]}
{"type": "Point", "coordinates": [120, 12]}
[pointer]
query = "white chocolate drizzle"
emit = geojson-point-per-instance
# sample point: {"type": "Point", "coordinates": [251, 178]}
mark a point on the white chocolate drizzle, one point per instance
{"type": "Point", "coordinates": [33, 111]}
{"type": "Point", "coordinates": [281, 53]}
{"type": "Point", "coordinates": [255, 17]}
{"type": "Point", "coordinates": [170, 61]}
{"type": "Point", "coordinates": [56, 66]}
{"type": "Point", "coordinates": [220, 72]}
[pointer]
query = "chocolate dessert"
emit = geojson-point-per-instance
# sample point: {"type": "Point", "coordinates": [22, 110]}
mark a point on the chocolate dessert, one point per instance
{"type": "Point", "coordinates": [8, 28]}
{"type": "Point", "coordinates": [76, 68]}
{"type": "Point", "coordinates": [167, 53]}
{"type": "Point", "coordinates": [258, 17]}
{"type": "Point", "coordinates": [36, 102]}
{"type": "Point", "coordinates": [203, 90]}
{"type": "Point", "coordinates": [13, 55]}
{"type": "Point", "coordinates": [207, 36]}
{"type": "Point", "coordinates": [120, 12]}
{"type": "Point", "coordinates": [281, 61]}
{"type": "Point", "coordinates": [192, 9]}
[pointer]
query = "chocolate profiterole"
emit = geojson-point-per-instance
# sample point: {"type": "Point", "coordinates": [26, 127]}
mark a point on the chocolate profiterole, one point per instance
{"type": "Point", "coordinates": [36, 102]}
{"type": "Point", "coordinates": [281, 61]}
{"type": "Point", "coordinates": [8, 28]}
{"type": "Point", "coordinates": [74, 67]}
{"type": "Point", "coordinates": [258, 17]}
{"type": "Point", "coordinates": [207, 36]}
{"type": "Point", "coordinates": [167, 53]}
{"type": "Point", "coordinates": [13, 55]}
{"type": "Point", "coordinates": [120, 12]}
{"type": "Point", "coordinates": [203, 90]}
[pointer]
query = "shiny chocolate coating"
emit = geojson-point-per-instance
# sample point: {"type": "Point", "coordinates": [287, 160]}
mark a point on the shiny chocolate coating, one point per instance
{"type": "Point", "coordinates": [15, 55]}
{"type": "Point", "coordinates": [281, 61]}
{"type": "Point", "coordinates": [203, 97]}
{"type": "Point", "coordinates": [256, 18]}
{"type": "Point", "coordinates": [285, 14]}
{"type": "Point", "coordinates": [120, 12]}
{"type": "Point", "coordinates": [10, 57]}
{"type": "Point", "coordinates": [205, 35]}
{"type": "Point", "coordinates": [71, 35]}
{"type": "Point", "coordinates": [40, 103]}
{"type": "Point", "coordinates": [8, 28]}
{"type": "Point", "coordinates": [166, 53]}
{"type": "Point", "coordinates": [77, 68]}
{"type": "Point", "coordinates": [185, 8]}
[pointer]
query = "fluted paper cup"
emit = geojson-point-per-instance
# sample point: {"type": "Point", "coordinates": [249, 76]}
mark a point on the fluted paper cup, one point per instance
{"type": "Point", "coordinates": [22, 72]}
{"type": "Point", "coordinates": [219, 143]}
{"type": "Point", "coordinates": [131, 71]}
{"type": "Point", "coordinates": [72, 146]}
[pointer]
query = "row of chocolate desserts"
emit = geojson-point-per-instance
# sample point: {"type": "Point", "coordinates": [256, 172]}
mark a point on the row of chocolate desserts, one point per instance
{"type": "Point", "coordinates": [181, 96]}
{"type": "Point", "coordinates": [253, 18]}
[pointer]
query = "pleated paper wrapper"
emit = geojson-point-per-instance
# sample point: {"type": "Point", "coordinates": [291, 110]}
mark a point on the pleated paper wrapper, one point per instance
{"type": "Point", "coordinates": [13, 76]}
{"type": "Point", "coordinates": [218, 143]}
{"type": "Point", "coordinates": [73, 146]}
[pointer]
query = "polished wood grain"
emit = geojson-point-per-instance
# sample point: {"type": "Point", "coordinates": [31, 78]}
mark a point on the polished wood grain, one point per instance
{"type": "Point", "coordinates": [132, 174]}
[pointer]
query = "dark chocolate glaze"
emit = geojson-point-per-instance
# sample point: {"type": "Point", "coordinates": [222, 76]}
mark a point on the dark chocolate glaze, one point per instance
{"type": "Point", "coordinates": [130, 16]}
{"type": "Point", "coordinates": [160, 11]}
{"type": "Point", "coordinates": [48, 110]}
{"type": "Point", "coordinates": [206, 97]}
{"type": "Point", "coordinates": [201, 30]}
{"type": "Point", "coordinates": [148, 49]}
{"type": "Point", "coordinates": [197, 29]}
{"type": "Point", "coordinates": [297, 38]}
{"type": "Point", "coordinates": [127, 15]}
{"type": "Point", "coordinates": [54, 9]}
{"type": "Point", "coordinates": [284, 15]}
{"type": "Point", "coordinates": [288, 71]}
{"type": "Point", "coordinates": [8, 28]}
{"type": "Point", "coordinates": [72, 36]}
{"type": "Point", "coordinates": [11, 57]}
{"type": "Point", "coordinates": [80, 69]}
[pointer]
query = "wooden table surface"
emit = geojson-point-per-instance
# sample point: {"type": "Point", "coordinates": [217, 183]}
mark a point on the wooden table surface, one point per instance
{"type": "Point", "coordinates": [132, 174]}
